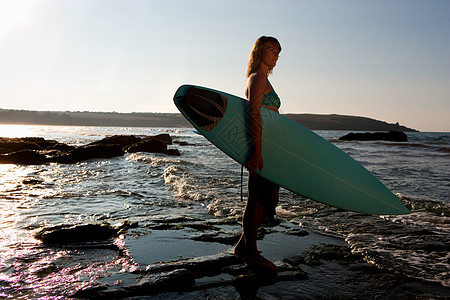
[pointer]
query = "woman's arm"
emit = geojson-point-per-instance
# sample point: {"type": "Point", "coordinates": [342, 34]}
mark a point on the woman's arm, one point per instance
{"type": "Point", "coordinates": [256, 85]}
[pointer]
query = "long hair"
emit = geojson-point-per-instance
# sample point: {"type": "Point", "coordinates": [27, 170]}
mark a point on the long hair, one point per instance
{"type": "Point", "coordinates": [258, 51]}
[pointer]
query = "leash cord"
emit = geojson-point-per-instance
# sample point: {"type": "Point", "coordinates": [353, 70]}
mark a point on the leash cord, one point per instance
{"type": "Point", "coordinates": [242, 185]}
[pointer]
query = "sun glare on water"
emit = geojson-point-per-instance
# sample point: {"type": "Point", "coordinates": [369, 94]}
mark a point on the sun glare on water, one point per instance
{"type": "Point", "coordinates": [13, 131]}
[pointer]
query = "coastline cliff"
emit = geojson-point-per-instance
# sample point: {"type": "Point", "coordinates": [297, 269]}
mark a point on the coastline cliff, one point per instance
{"type": "Point", "coordinates": [67, 118]}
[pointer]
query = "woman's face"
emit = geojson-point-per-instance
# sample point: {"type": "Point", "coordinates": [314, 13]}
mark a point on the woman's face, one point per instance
{"type": "Point", "coordinates": [270, 55]}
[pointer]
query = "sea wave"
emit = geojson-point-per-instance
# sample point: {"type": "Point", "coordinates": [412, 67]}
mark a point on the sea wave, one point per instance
{"type": "Point", "coordinates": [416, 245]}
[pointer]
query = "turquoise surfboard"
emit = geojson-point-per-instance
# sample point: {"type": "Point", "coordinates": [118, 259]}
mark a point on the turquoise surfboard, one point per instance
{"type": "Point", "coordinates": [295, 158]}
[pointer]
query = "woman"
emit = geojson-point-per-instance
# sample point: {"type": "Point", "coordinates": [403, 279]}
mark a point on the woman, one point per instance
{"type": "Point", "coordinates": [262, 194]}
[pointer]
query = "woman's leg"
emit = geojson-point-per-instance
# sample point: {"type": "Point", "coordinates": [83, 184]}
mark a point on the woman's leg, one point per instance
{"type": "Point", "coordinates": [254, 215]}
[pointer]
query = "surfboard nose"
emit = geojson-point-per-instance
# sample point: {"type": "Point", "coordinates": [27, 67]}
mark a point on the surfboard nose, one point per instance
{"type": "Point", "coordinates": [204, 107]}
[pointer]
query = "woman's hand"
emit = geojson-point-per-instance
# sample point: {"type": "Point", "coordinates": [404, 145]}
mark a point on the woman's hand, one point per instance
{"type": "Point", "coordinates": [254, 162]}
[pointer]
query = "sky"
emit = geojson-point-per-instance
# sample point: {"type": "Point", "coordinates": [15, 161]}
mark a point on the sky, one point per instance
{"type": "Point", "coordinates": [385, 59]}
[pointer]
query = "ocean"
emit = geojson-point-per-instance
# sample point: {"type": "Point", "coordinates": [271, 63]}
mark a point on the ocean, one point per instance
{"type": "Point", "coordinates": [205, 184]}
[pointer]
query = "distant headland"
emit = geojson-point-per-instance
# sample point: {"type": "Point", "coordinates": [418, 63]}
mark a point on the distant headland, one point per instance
{"type": "Point", "coordinates": [67, 118]}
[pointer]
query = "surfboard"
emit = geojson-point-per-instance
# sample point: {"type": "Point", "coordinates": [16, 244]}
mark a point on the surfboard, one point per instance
{"type": "Point", "coordinates": [295, 158]}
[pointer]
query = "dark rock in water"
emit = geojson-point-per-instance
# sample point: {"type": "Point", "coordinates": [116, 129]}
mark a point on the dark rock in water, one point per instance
{"type": "Point", "coordinates": [89, 152]}
{"type": "Point", "coordinates": [29, 150]}
{"type": "Point", "coordinates": [33, 181]}
{"type": "Point", "coordinates": [297, 232]}
{"type": "Point", "coordinates": [253, 280]}
{"type": "Point", "coordinates": [122, 140]}
{"type": "Point", "coordinates": [32, 157]}
{"type": "Point", "coordinates": [10, 145]}
{"type": "Point", "coordinates": [176, 280]}
{"type": "Point", "coordinates": [66, 234]}
{"type": "Point", "coordinates": [183, 143]}
{"type": "Point", "coordinates": [200, 266]}
{"type": "Point", "coordinates": [216, 238]}
{"type": "Point", "coordinates": [50, 144]}
{"type": "Point", "coordinates": [330, 252]}
{"type": "Point", "coordinates": [35, 150]}
{"type": "Point", "coordinates": [392, 136]}
{"type": "Point", "coordinates": [153, 145]}
{"type": "Point", "coordinates": [173, 152]}
{"type": "Point", "coordinates": [23, 157]}
{"type": "Point", "coordinates": [148, 145]}
{"type": "Point", "coordinates": [164, 137]}
{"type": "Point", "coordinates": [60, 147]}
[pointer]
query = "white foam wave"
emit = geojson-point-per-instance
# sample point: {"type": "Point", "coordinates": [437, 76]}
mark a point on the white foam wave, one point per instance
{"type": "Point", "coordinates": [425, 219]}
{"type": "Point", "coordinates": [223, 208]}
{"type": "Point", "coordinates": [182, 186]}
{"type": "Point", "coordinates": [151, 160]}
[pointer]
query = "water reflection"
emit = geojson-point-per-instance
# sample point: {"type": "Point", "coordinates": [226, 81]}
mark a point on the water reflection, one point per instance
{"type": "Point", "coordinates": [13, 131]}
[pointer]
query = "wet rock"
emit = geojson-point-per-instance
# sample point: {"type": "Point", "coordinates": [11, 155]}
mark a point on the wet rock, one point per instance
{"type": "Point", "coordinates": [176, 219]}
{"type": "Point", "coordinates": [96, 292]}
{"type": "Point", "coordinates": [29, 151]}
{"type": "Point", "coordinates": [32, 181]}
{"type": "Point", "coordinates": [295, 260]}
{"type": "Point", "coordinates": [89, 152]}
{"type": "Point", "coordinates": [60, 147]}
{"type": "Point", "coordinates": [183, 143]}
{"type": "Point", "coordinates": [123, 141]}
{"type": "Point", "coordinates": [392, 136]}
{"type": "Point", "coordinates": [46, 270]}
{"type": "Point", "coordinates": [164, 137]}
{"type": "Point", "coordinates": [23, 157]}
{"type": "Point", "coordinates": [200, 266]}
{"type": "Point", "coordinates": [173, 281]}
{"type": "Point", "coordinates": [252, 281]}
{"type": "Point", "coordinates": [342, 254]}
{"type": "Point", "coordinates": [66, 234]}
{"type": "Point", "coordinates": [177, 280]}
{"type": "Point", "coordinates": [191, 275]}
{"type": "Point", "coordinates": [152, 145]}
{"type": "Point", "coordinates": [33, 157]}
{"type": "Point", "coordinates": [293, 276]}
{"type": "Point", "coordinates": [10, 145]}
{"type": "Point", "coordinates": [297, 232]}
{"type": "Point", "coordinates": [35, 150]}
{"type": "Point", "coordinates": [227, 239]}
{"type": "Point", "coordinates": [173, 152]}
{"type": "Point", "coordinates": [148, 145]}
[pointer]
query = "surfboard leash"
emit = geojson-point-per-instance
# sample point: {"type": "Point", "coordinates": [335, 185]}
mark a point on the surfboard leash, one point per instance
{"type": "Point", "coordinates": [242, 183]}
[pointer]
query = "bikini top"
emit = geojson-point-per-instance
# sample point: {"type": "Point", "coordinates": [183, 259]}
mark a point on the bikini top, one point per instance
{"type": "Point", "coordinates": [271, 99]}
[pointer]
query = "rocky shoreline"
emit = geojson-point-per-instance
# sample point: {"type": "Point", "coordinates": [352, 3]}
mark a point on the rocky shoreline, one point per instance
{"type": "Point", "coordinates": [36, 150]}
{"type": "Point", "coordinates": [188, 275]}
{"type": "Point", "coordinates": [311, 266]}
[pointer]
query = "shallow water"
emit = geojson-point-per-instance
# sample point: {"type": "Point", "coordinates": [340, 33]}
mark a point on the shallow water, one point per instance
{"type": "Point", "coordinates": [203, 183]}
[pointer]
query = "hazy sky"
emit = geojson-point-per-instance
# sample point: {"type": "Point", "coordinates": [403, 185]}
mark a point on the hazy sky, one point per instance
{"type": "Point", "coordinates": [384, 59]}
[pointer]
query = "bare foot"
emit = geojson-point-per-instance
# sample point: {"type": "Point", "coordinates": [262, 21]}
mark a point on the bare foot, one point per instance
{"type": "Point", "coordinates": [239, 250]}
{"type": "Point", "coordinates": [260, 262]}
